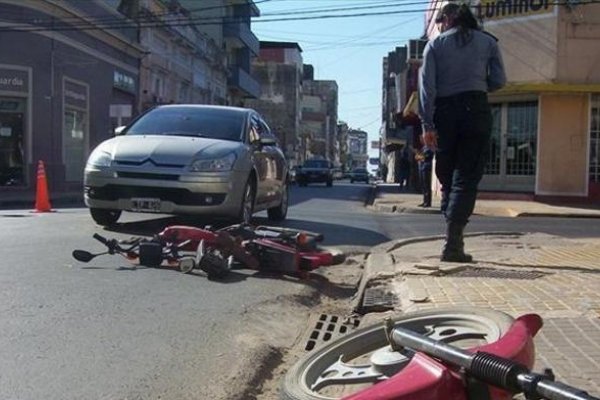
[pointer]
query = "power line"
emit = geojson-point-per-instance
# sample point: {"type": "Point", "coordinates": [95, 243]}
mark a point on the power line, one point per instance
{"type": "Point", "coordinates": [205, 21]}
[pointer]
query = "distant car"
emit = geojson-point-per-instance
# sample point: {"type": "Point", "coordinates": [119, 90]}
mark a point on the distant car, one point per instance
{"type": "Point", "coordinates": [338, 174]}
{"type": "Point", "coordinates": [189, 159]}
{"type": "Point", "coordinates": [359, 175]}
{"type": "Point", "coordinates": [315, 171]}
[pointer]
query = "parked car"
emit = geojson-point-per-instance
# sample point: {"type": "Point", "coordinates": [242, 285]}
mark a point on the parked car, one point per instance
{"type": "Point", "coordinates": [359, 175]}
{"type": "Point", "coordinates": [189, 159]}
{"type": "Point", "coordinates": [315, 171]}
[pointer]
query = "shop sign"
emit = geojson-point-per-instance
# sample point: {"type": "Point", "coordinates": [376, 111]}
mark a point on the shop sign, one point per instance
{"type": "Point", "coordinates": [124, 82]}
{"type": "Point", "coordinates": [492, 10]}
{"type": "Point", "coordinates": [75, 95]}
{"type": "Point", "coordinates": [14, 80]}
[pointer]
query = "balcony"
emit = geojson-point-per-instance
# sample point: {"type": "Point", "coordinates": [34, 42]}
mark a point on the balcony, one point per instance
{"type": "Point", "coordinates": [241, 80]}
{"type": "Point", "coordinates": [240, 33]}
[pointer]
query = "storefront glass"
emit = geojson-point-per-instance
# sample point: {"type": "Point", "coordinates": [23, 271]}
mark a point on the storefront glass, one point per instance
{"type": "Point", "coordinates": [521, 138]}
{"type": "Point", "coordinates": [12, 142]}
{"type": "Point", "coordinates": [75, 127]}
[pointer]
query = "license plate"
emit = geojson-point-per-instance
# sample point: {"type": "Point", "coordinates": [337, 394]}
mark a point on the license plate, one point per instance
{"type": "Point", "coordinates": [145, 204]}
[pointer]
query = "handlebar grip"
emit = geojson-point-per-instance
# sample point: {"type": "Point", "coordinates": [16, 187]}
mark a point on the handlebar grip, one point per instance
{"type": "Point", "coordinates": [101, 239]}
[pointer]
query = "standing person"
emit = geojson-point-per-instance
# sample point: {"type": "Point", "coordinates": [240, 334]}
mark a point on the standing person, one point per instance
{"type": "Point", "coordinates": [425, 160]}
{"type": "Point", "coordinates": [460, 67]}
{"type": "Point", "coordinates": [404, 168]}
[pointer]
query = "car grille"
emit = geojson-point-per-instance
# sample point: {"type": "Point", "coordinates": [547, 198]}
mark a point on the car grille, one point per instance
{"type": "Point", "coordinates": [136, 163]}
{"type": "Point", "coordinates": [178, 196]}
{"type": "Point", "coordinates": [146, 175]}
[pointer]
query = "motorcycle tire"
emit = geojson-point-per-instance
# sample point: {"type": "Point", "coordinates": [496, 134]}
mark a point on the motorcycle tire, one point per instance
{"type": "Point", "coordinates": [302, 375]}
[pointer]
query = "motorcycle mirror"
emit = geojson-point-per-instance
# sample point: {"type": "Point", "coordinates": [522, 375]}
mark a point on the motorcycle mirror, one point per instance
{"type": "Point", "coordinates": [82, 255]}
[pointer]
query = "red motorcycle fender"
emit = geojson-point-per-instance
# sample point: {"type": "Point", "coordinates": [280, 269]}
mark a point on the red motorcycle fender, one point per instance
{"type": "Point", "coordinates": [426, 379]}
{"type": "Point", "coordinates": [181, 233]}
{"type": "Point", "coordinates": [422, 379]}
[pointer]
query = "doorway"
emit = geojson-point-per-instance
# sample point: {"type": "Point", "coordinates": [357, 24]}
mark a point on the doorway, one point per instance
{"type": "Point", "coordinates": [511, 164]}
{"type": "Point", "coordinates": [12, 141]}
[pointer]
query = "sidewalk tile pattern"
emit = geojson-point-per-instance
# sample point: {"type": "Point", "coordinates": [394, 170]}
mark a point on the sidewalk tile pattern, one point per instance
{"type": "Point", "coordinates": [569, 302]}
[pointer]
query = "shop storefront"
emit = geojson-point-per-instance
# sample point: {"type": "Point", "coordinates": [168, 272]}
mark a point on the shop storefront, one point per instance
{"type": "Point", "coordinates": [14, 124]}
{"type": "Point", "coordinates": [62, 96]}
{"type": "Point", "coordinates": [546, 121]}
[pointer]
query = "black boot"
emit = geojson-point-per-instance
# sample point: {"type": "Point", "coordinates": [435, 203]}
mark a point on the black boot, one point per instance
{"type": "Point", "coordinates": [454, 248]}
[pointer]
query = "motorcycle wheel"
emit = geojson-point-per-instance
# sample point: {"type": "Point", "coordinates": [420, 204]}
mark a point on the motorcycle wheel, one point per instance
{"type": "Point", "coordinates": [350, 359]}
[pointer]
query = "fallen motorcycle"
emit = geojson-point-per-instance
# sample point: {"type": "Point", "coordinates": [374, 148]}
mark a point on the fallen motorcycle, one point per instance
{"type": "Point", "coordinates": [216, 252]}
{"type": "Point", "coordinates": [457, 354]}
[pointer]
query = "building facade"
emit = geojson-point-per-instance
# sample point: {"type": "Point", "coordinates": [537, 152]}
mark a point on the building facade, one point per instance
{"type": "Point", "coordinates": [320, 118]}
{"type": "Point", "coordinates": [77, 79]}
{"type": "Point", "coordinates": [228, 24]}
{"type": "Point", "coordinates": [182, 64]}
{"type": "Point", "coordinates": [546, 130]}
{"type": "Point", "coordinates": [357, 149]}
{"type": "Point", "coordinates": [278, 69]}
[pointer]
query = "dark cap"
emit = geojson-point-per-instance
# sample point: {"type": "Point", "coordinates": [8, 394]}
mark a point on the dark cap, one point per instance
{"type": "Point", "coordinates": [448, 9]}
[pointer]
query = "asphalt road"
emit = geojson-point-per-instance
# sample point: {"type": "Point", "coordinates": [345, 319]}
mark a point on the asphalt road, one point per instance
{"type": "Point", "coordinates": [104, 330]}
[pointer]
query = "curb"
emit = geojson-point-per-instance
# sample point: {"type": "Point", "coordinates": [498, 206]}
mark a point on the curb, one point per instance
{"type": "Point", "coordinates": [386, 248]}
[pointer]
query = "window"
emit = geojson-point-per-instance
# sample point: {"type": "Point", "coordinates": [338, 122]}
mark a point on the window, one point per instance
{"type": "Point", "coordinates": [513, 142]}
{"type": "Point", "coordinates": [595, 139]}
{"type": "Point", "coordinates": [12, 142]}
{"type": "Point", "coordinates": [521, 138]}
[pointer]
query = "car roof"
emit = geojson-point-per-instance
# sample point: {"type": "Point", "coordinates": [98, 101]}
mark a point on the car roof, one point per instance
{"type": "Point", "coordinates": [209, 107]}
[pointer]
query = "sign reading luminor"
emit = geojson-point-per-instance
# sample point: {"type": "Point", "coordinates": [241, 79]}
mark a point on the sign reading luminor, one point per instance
{"type": "Point", "coordinates": [500, 9]}
{"type": "Point", "coordinates": [14, 80]}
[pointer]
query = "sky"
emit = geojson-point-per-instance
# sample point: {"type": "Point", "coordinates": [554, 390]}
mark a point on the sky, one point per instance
{"type": "Point", "coordinates": [349, 50]}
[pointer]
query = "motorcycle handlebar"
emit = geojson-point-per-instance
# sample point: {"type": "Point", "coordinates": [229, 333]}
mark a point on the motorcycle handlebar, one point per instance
{"type": "Point", "coordinates": [489, 368]}
{"type": "Point", "coordinates": [101, 239]}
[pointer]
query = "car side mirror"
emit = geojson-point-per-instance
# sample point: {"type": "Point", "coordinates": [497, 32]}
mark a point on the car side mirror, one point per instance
{"type": "Point", "coordinates": [266, 141]}
{"type": "Point", "coordinates": [119, 130]}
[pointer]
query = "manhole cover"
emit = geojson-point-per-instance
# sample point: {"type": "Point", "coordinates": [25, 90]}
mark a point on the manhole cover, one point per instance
{"type": "Point", "coordinates": [378, 299]}
{"type": "Point", "coordinates": [327, 327]}
{"type": "Point", "coordinates": [474, 272]}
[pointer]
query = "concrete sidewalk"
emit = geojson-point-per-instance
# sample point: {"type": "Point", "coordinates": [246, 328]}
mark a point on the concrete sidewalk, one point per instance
{"type": "Point", "coordinates": [513, 272]}
{"type": "Point", "coordinates": [387, 198]}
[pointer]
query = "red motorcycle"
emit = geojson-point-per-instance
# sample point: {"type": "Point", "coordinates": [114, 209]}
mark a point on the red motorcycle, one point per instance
{"type": "Point", "coordinates": [464, 354]}
{"type": "Point", "coordinates": [216, 252]}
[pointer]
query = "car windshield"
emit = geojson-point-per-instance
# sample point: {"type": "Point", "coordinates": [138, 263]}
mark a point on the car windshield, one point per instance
{"type": "Point", "coordinates": [316, 164]}
{"type": "Point", "coordinates": [191, 121]}
{"type": "Point", "coordinates": [360, 170]}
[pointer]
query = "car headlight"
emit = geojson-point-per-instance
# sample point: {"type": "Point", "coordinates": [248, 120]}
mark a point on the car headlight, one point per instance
{"type": "Point", "coordinates": [215, 164]}
{"type": "Point", "coordinates": [99, 158]}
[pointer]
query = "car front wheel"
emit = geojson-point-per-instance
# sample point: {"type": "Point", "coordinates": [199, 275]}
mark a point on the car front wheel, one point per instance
{"type": "Point", "coordinates": [105, 217]}
{"type": "Point", "coordinates": [279, 212]}
{"type": "Point", "coordinates": [247, 206]}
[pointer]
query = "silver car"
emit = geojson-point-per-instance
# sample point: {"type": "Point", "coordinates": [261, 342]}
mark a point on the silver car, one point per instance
{"type": "Point", "coordinates": [189, 159]}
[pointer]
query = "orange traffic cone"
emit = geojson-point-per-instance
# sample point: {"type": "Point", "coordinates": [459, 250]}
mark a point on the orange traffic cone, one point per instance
{"type": "Point", "coordinates": [42, 202]}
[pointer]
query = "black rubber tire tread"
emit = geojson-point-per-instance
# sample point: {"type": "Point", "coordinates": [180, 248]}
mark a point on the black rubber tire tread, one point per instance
{"type": "Point", "coordinates": [105, 217]}
{"type": "Point", "coordinates": [240, 217]}
{"type": "Point", "coordinates": [279, 213]}
{"type": "Point", "coordinates": [293, 389]}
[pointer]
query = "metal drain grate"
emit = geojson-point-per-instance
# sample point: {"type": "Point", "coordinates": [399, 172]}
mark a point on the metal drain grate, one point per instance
{"type": "Point", "coordinates": [377, 299]}
{"type": "Point", "coordinates": [474, 272]}
{"type": "Point", "coordinates": [327, 327]}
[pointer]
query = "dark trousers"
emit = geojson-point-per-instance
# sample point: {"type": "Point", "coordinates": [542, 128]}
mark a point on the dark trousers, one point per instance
{"type": "Point", "coordinates": [464, 124]}
{"type": "Point", "coordinates": [425, 177]}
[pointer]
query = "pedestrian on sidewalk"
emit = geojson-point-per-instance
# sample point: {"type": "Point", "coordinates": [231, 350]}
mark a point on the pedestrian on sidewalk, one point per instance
{"type": "Point", "coordinates": [404, 168]}
{"type": "Point", "coordinates": [460, 67]}
{"type": "Point", "coordinates": [425, 160]}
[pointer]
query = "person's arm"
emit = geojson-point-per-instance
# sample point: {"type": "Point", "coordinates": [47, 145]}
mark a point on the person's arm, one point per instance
{"type": "Point", "coordinates": [496, 75]}
{"type": "Point", "coordinates": [427, 95]}
{"type": "Point", "coordinates": [427, 89]}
